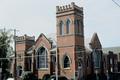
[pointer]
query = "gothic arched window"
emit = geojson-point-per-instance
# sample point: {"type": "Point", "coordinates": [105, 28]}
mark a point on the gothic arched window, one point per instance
{"type": "Point", "coordinates": [66, 63]}
{"type": "Point", "coordinates": [77, 26]}
{"type": "Point", "coordinates": [97, 58]}
{"type": "Point", "coordinates": [42, 58]}
{"type": "Point", "coordinates": [61, 27]}
{"type": "Point", "coordinates": [67, 26]}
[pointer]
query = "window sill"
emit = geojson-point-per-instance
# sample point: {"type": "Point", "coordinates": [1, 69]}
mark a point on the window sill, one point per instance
{"type": "Point", "coordinates": [67, 68]}
{"type": "Point", "coordinates": [65, 35]}
{"type": "Point", "coordinates": [43, 69]}
{"type": "Point", "coordinates": [77, 34]}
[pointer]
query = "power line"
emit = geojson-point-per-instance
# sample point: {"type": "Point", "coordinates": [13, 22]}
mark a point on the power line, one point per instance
{"type": "Point", "coordinates": [82, 51]}
{"type": "Point", "coordinates": [25, 57]}
{"type": "Point", "coordinates": [116, 3]}
{"type": "Point", "coordinates": [30, 56]}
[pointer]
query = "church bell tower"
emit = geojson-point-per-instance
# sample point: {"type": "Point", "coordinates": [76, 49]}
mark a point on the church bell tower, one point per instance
{"type": "Point", "coordinates": [70, 39]}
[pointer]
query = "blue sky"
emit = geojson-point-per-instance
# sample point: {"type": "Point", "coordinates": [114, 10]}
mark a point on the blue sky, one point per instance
{"type": "Point", "coordinates": [33, 17]}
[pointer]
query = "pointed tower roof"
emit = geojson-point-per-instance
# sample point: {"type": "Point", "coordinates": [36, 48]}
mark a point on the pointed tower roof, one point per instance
{"type": "Point", "coordinates": [95, 42]}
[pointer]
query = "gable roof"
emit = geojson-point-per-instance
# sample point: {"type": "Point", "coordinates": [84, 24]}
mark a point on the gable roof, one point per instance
{"type": "Point", "coordinates": [40, 37]}
{"type": "Point", "coordinates": [95, 42]}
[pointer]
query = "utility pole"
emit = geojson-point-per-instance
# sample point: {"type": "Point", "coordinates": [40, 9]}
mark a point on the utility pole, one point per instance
{"type": "Point", "coordinates": [56, 62]}
{"type": "Point", "coordinates": [15, 65]}
{"type": "Point", "coordinates": [1, 61]}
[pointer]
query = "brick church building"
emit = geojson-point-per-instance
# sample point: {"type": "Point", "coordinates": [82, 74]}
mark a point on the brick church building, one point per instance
{"type": "Point", "coordinates": [77, 58]}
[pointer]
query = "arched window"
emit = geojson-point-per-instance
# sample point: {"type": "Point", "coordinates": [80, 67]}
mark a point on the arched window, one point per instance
{"type": "Point", "coordinates": [42, 58]}
{"type": "Point", "coordinates": [66, 62]}
{"type": "Point", "coordinates": [68, 26]}
{"type": "Point", "coordinates": [97, 58]}
{"type": "Point", "coordinates": [77, 26]}
{"type": "Point", "coordinates": [81, 27]}
{"type": "Point", "coordinates": [61, 28]}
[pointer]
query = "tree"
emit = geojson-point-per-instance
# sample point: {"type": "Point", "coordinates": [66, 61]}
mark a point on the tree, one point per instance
{"type": "Point", "coordinates": [5, 40]}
